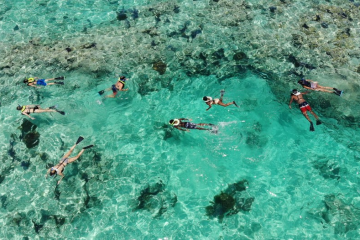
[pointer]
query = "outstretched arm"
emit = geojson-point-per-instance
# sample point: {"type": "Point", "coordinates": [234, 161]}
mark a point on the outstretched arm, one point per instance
{"type": "Point", "coordinates": [183, 129]}
{"type": "Point", "coordinates": [209, 106]}
{"type": "Point", "coordinates": [62, 176]}
{"type": "Point", "coordinates": [291, 100]}
{"type": "Point", "coordinates": [28, 115]}
{"type": "Point", "coordinates": [47, 173]}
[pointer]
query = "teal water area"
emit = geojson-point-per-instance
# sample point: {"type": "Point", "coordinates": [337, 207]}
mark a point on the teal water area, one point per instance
{"type": "Point", "coordinates": [145, 179]}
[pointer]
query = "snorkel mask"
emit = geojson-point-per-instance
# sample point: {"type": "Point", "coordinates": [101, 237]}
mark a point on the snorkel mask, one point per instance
{"type": "Point", "coordinates": [295, 92]}
{"type": "Point", "coordinates": [174, 122]}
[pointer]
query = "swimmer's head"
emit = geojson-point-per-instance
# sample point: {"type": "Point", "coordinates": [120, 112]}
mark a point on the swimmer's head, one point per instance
{"type": "Point", "coordinates": [295, 92]}
{"type": "Point", "coordinates": [52, 172]}
{"type": "Point", "coordinates": [26, 80]}
{"type": "Point", "coordinates": [174, 122]}
{"type": "Point", "coordinates": [18, 107]}
{"type": "Point", "coordinates": [207, 99]}
{"type": "Point", "coordinates": [122, 78]}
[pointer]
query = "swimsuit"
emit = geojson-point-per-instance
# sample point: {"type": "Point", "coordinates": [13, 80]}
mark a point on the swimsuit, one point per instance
{"type": "Point", "coordinates": [216, 101]}
{"type": "Point", "coordinates": [41, 82]}
{"type": "Point", "coordinates": [304, 107]}
{"type": "Point", "coordinates": [62, 163]}
{"type": "Point", "coordinates": [114, 89]}
{"type": "Point", "coordinates": [190, 125]}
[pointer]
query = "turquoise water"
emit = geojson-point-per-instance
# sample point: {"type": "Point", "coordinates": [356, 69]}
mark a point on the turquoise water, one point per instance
{"type": "Point", "coordinates": [304, 185]}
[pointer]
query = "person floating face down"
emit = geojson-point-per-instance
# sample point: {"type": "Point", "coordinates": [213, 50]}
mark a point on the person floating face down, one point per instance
{"type": "Point", "coordinates": [184, 124]}
{"type": "Point", "coordinates": [35, 81]}
{"type": "Point", "coordinates": [59, 168]}
{"type": "Point", "coordinates": [304, 107]}
{"type": "Point", "coordinates": [312, 85]}
{"type": "Point", "coordinates": [209, 101]}
{"type": "Point", "coordinates": [118, 86]}
{"type": "Point", "coordinates": [28, 109]}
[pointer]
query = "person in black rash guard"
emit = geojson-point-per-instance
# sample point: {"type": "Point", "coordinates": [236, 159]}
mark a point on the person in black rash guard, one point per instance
{"type": "Point", "coordinates": [186, 126]}
{"type": "Point", "coordinates": [312, 85]}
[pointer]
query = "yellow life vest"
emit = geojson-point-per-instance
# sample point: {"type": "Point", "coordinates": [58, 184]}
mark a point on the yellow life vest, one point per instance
{"type": "Point", "coordinates": [23, 108]}
{"type": "Point", "coordinates": [30, 80]}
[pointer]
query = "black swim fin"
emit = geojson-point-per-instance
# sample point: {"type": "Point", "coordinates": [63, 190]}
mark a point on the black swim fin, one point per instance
{"type": "Point", "coordinates": [79, 140]}
{"type": "Point", "coordinates": [90, 146]}
{"type": "Point", "coordinates": [61, 112]}
{"type": "Point", "coordinates": [312, 127]}
{"type": "Point", "coordinates": [60, 78]}
{"type": "Point", "coordinates": [318, 122]}
{"type": "Point", "coordinates": [101, 92]}
{"type": "Point", "coordinates": [235, 104]}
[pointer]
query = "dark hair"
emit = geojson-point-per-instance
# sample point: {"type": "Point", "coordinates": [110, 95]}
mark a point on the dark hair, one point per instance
{"type": "Point", "coordinates": [52, 172]}
{"type": "Point", "coordinates": [26, 80]}
{"type": "Point", "coordinates": [205, 98]}
{"type": "Point", "coordinates": [19, 107]}
{"type": "Point", "coordinates": [171, 121]}
{"type": "Point", "coordinates": [294, 90]}
{"type": "Point", "coordinates": [122, 77]}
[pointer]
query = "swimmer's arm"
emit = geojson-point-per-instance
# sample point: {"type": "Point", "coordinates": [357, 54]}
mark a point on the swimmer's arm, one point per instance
{"type": "Point", "coordinates": [62, 176]}
{"type": "Point", "coordinates": [209, 107]}
{"type": "Point", "coordinates": [291, 100]}
{"type": "Point", "coordinates": [183, 129]}
{"type": "Point", "coordinates": [47, 173]}
{"type": "Point", "coordinates": [305, 93]}
{"type": "Point", "coordinates": [28, 116]}
{"type": "Point", "coordinates": [126, 89]}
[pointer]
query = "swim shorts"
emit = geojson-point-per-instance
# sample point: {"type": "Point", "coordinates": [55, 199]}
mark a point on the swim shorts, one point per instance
{"type": "Point", "coordinates": [114, 89]}
{"type": "Point", "coordinates": [190, 125]}
{"type": "Point", "coordinates": [41, 82]}
{"type": "Point", "coordinates": [304, 107]}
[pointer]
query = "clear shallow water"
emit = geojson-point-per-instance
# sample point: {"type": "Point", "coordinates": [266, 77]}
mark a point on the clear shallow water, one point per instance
{"type": "Point", "coordinates": [304, 184]}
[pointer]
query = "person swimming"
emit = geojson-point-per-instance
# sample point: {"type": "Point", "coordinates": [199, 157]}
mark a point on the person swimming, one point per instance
{"type": "Point", "coordinates": [180, 124]}
{"type": "Point", "coordinates": [118, 86]}
{"type": "Point", "coordinates": [28, 109]}
{"type": "Point", "coordinates": [209, 101]}
{"type": "Point", "coordinates": [35, 81]}
{"type": "Point", "coordinates": [59, 168]}
{"type": "Point", "coordinates": [312, 85]}
{"type": "Point", "coordinates": [304, 107]}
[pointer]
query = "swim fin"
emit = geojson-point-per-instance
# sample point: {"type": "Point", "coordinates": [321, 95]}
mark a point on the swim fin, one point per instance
{"type": "Point", "coordinates": [60, 83]}
{"type": "Point", "coordinates": [101, 92]}
{"type": "Point", "coordinates": [60, 78]}
{"type": "Point", "coordinates": [90, 146]}
{"type": "Point", "coordinates": [222, 92]}
{"type": "Point", "coordinates": [61, 112]}
{"type": "Point", "coordinates": [79, 140]}
{"type": "Point", "coordinates": [312, 127]}
{"type": "Point", "coordinates": [318, 122]}
{"type": "Point", "coordinates": [235, 104]}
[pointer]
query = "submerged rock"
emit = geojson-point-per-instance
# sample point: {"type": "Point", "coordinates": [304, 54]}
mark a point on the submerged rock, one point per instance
{"type": "Point", "coordinates": [230, 201]}
{"type": "Point", "coordinates": [31, 139]}
{"type": "Point", "coordinates": [28, 134]}
{"type": "Point", "coordinates": [155, 199]}
{"type": "Point", "coordinates": [160, 67]}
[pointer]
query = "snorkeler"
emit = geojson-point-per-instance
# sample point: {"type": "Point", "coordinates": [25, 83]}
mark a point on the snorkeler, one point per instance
{"type": "Point", "coordinates": [28, 109]}
{"type": "Point", "coordinates": [185, 126]}
{"type": "Point", "coordinates": [118, 86]}
{"type": "Point", "coordinates": [209, 101]}
{"type": "Point", "coordinates": [311, 85]}
{"type": "Point", "coordinates": [34, 81]}
{"type": "Point", "coordinates": [304, 106]}
{"type": "Point", "coordinates": [59, 168]}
